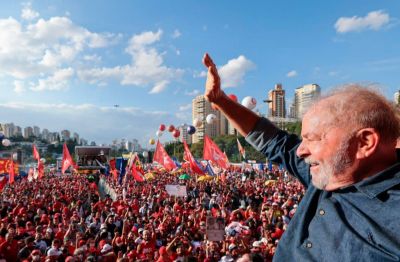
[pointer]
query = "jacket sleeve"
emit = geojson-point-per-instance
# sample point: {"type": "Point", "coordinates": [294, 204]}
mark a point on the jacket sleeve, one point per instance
{"type": "Point", "coordinates": [279, 147]}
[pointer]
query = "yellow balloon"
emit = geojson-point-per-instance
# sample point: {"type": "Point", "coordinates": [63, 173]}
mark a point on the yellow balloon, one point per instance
{"type": "Point", "coordinates": [152, 141]}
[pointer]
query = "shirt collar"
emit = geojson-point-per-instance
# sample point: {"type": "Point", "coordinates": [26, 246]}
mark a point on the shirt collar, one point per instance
{"type": "Point", "coordinates": [384, 180]}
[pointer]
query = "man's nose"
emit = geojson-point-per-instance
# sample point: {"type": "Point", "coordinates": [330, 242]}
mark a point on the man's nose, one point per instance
{"type": "Point", "coordinates": [302, 151]}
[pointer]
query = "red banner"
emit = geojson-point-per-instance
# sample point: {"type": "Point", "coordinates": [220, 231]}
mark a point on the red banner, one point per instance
{"type": "Point", "coordinates": [187, 155]}
{"type": "Point", "coordinates": [161, 156]}
{"type": "Point", "coordinates": [212, 152]}
{"type": "Point", "coordinates": [67, 159]}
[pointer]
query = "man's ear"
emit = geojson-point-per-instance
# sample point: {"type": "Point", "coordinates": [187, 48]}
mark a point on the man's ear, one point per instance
{"type": "Point", "coordinates": [367, 142]}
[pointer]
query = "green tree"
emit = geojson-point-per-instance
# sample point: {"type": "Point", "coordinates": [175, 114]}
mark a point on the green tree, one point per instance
{"type": "Point", "coordinates": [293, 128]}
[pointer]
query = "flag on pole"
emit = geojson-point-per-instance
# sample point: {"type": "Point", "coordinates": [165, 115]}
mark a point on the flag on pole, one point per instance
{"type": "Point", "coordinates": [161, 156]}
{"type": "Point", "coordinates": [241, 149]}
{"type": "Point", "coordinates": [137, 175]}
{"type": "Point", "coordinates": [212, 152]}
{"type": "Point", "coordinates": [66, 160]}
{"type": "Point", "coordinates": [40, 165]}
{"type": "Point", "coordinates": [11, 172]}
{"type": "Point", "coordinates": [121, 164]}
{"type": "Point", "coordinates": [187, 155]}
{"type": "Point", "coordinates": [136, 168]}
{"type": "Point", "coordinates": [35, 153]}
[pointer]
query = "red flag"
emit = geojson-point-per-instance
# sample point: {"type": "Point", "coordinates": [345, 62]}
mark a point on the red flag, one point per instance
{"type": "Point", "coordinates": [135, 162]}
{"type": "Point", "coordinates": [11, 172]}
{"type": "Point", "coordinates": [187, 155]}
{"type": "Point", "coordinates": [161, 156]}
{"type": "Point", "coordinates": [40, 169]}
{"type": "Point", "coordinates": [138, 176]}
{"type": "Point", "coordinates": [3, 182]}
{"type": "Point", "coordinates": [35, 153]}
{"type": "Point", "coordinates": [212, 152]}
{"type": "Point", "coordinates": [67, 159]}
{"type": "Point", "coordinates": [241, 149]}
{"type": "Point", "coordinates": [113, 170]}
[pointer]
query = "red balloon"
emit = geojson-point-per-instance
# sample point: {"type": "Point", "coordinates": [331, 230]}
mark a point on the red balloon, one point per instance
{"type": "Point", "coordinates": [162, 127]}
{"type": "Point", "coordinates": [233, 97]}
{"type": "Point", "coordinates": [176, 133]}
{"type": "Point", "coordinates": [171, 128]}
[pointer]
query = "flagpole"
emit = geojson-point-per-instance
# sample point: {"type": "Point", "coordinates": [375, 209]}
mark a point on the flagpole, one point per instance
{"type": "Point", "coordinates": [240, 154]}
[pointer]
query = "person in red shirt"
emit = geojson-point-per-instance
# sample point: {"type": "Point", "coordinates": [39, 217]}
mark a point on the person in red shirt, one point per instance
{"type": "Point", "coordinates": [164, 257]}
{"type": "Point", "coordinates": [147, 247]}
{"type": "Point", "coordinates": [9, 248]}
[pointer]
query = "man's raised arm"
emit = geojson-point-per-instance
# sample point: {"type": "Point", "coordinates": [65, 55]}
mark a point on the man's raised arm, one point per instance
{"type": "Point", "coordinates": [242, 118]}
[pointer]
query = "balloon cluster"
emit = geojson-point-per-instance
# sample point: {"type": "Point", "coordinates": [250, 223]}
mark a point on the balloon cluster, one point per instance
{"type": "Point", "coordinates": [248, 102]}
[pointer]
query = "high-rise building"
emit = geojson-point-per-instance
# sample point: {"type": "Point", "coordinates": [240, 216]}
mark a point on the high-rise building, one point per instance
{"type": "Point", "coordinates": [17, 131]}
{"type": "Point", "coordinates": [136, 146]}
{"type": "Point", "coordinates": [28, 132]}
{"type": "Point", "coordinates": [292, 110]}
{"type": "Point", "coordinates": [128, 146]}
{"type": "Point", "coordinates": [277, 105]}
{"type": "Point", "coordinates": [201, 108]}
{"type": "Point", "coordinates": [9, 129]}
{"type": "Point", "coordinates": [65, 135]}
{"type": "Point", "coordinates": [397, 97]}
{"type": "Point", "coordinates": [303, 98]}
{"type": "Point", "coordinates": [36, 131]}
{"type": "Point", "coordinates": [45, 134]}
{"type": "Point", "coordinates": [75, 136]}
{"type": "Point", "coordinates": [184, 136]}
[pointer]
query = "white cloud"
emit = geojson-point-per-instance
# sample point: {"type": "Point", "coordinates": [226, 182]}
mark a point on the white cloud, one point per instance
{"type": "Point", "coordinates": [185, 107]}
{"type": "Point", "coordinates": [19, 87]}
{"type": "Point", "coordinates": [292, 73]}
{"type": "Point", "coordinates": [233, 72]}
{"type": "Point", "coordinates": [28, 13]}
{"type": "Point", "coordinates": [58, 81]}
{"type": "Point", "coordinates": [92, 58]}
{"type": "Point", "coordinates": [39, 51]}
{"type": "Point", "coordinates": [374, 20]}
{"type": "Point", "coordinates": [176, 34]}
{"type": "Point", "coordinates": [159, 87]}
{"type": "Point", "coordinates": [146, 69]}
{"type": "Point", "coordinates": [199, 74]}
{"type": "Point", "coordinates": [192, 93]}
{"type": "Point", "coordinates": [138, 42]}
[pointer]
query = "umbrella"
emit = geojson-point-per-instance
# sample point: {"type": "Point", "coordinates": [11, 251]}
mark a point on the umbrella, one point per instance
{"type": "Point", "coordinates": [205, 178]}
{"type": "Point", "coordinates": [149, 176]}
{"type": "Point", "coordinates": [184, 177]}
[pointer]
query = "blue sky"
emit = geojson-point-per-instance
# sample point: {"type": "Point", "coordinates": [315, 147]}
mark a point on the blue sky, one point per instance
{"type": "Point", "coordinates": [65, 64]}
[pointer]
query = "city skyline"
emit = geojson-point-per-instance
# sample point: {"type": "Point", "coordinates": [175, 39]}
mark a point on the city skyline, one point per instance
{"type": "Point", "coordinates": [121, 70]}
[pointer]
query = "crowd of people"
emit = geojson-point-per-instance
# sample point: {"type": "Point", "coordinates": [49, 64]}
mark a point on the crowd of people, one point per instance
{"type": "Point", "coordinates": [70, 218]}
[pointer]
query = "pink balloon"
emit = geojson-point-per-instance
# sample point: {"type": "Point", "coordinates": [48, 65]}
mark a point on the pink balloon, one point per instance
{"type": "Point", "coordinates": [162, 127]}
{"type": "Point", "coordinates": [171, 128]}
{"type": "Point", "coordinates": [233, 97]}
{"type": "Point", "coordinates": [176, 133]}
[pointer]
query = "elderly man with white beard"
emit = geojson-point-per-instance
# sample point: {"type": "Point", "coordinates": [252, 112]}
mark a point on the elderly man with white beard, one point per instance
{"type": "Point", "coordinates": [347, 160]}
